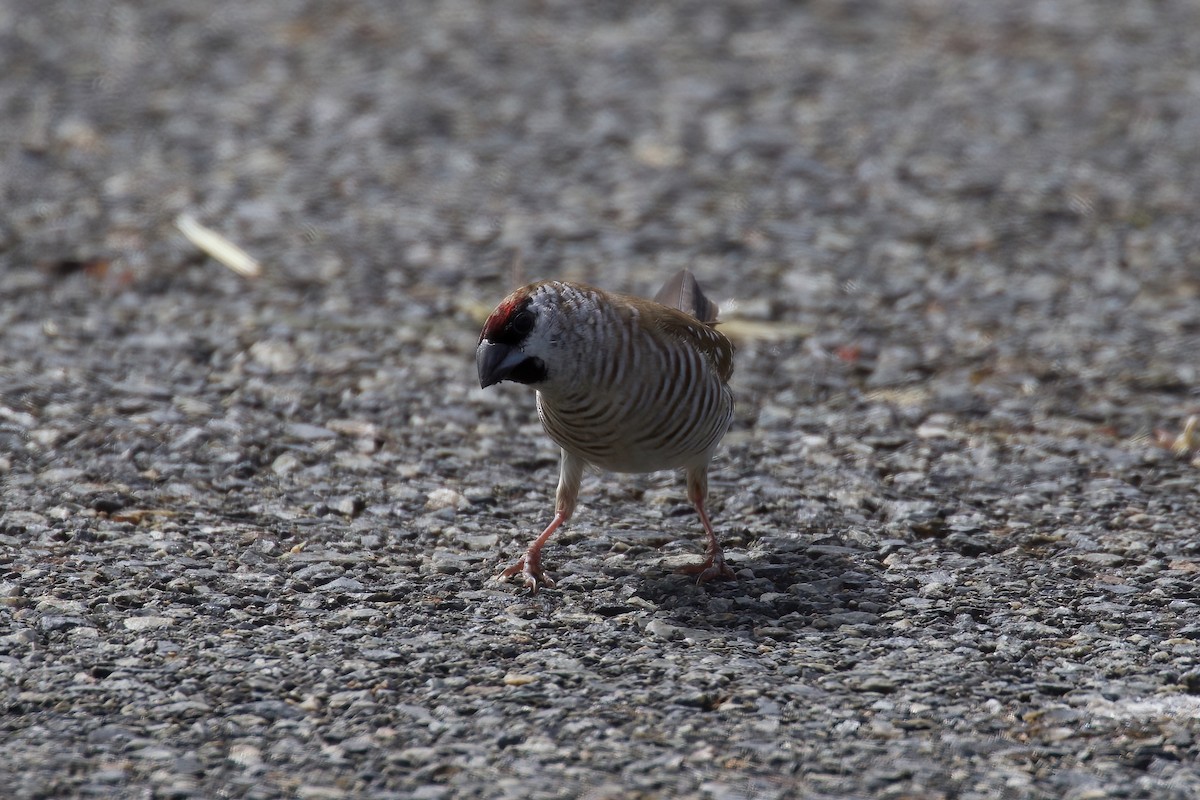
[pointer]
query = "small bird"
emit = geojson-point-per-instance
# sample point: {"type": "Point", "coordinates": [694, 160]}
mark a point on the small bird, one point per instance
{"type": "Point", "coordinates": [623, 384]}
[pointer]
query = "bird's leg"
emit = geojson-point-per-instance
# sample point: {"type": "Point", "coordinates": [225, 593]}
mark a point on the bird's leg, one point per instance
{"type": "Point", "coordinates": [713, 566]}
{"type": "Point", "coordinates": [570, 474]}
{"type": "Point", "coordinates": [530, 564]}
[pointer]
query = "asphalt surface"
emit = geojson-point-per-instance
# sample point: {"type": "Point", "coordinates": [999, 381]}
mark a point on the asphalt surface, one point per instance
{"type": "Point", "coordinates": [250, 526]}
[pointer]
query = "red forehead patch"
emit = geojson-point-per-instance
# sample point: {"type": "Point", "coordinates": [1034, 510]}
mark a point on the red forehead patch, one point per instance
{"type": "Point", "coordinates": [503, 313]}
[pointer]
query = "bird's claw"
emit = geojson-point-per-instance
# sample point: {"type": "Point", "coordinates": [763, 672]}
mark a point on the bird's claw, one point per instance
{"type": "Point", "coordinates": [711, 568]}
{"type": "Point", "coordinates": [531, 568]}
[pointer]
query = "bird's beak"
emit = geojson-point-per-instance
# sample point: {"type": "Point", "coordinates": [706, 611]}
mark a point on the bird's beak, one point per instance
{"type": "Point", "coordinates": [496, 361]}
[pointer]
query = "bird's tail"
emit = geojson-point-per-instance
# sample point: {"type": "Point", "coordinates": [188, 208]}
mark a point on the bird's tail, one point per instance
{"type": "Point", "coordinates": [683, 292]}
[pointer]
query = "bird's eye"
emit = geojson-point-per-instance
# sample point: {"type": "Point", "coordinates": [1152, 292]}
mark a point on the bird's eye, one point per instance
{"type": "Point", "coordinates": [522, 323]}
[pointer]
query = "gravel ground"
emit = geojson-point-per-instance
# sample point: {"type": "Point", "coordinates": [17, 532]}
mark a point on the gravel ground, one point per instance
{"type": "Point", "coordinates": [249, 527]}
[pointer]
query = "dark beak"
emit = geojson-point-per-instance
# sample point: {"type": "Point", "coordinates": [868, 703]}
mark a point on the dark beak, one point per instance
{"type": "Point", "coordinates": [496, 362]}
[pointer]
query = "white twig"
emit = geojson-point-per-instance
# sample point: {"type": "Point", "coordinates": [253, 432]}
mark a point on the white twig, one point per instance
{"type": "Point", "coordinates": [217, 246]}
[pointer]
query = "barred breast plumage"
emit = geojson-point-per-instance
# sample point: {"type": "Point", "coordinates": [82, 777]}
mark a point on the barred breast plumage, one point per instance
{"type": "Point", "coordinates": [641, 400]}
{"type": "Point", "coordinates": [624, 384]}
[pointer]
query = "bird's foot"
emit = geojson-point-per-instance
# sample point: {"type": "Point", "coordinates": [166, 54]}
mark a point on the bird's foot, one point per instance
{"type": "Point", "coordinates": [711, 568]}
{"type": "Point", "coordinates": [530, 565]}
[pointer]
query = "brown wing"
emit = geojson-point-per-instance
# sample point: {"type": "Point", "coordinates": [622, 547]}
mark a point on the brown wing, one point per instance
{"type": "Point", "coordinates": [712, 343]}
{"type": "Point", "coordinates": [694, 320]}
{"type": "Point", "coordinates": [683, 292]}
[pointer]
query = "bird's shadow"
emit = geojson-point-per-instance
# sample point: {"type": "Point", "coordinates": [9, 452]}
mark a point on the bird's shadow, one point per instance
{"type": "Point", "coordinates": [787, 584]}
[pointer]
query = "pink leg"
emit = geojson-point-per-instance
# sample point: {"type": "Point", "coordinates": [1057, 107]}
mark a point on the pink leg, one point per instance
{"type": "Point", "coordinates": [570, 474]}
{"type": "Point", "coordinates": [713, 566]}
{"type": "Point", "coordinates": [530, 564]}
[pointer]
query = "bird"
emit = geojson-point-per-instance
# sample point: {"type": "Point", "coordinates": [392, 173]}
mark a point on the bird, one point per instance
{"type": "Point", "coordinates": [623, 384]}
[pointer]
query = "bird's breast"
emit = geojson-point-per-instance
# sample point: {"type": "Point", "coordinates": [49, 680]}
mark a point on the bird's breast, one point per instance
{"type": "Point", "coordinates": [668, 416]}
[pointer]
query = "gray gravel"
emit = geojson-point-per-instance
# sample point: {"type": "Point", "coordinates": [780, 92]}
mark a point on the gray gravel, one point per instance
{"type": "Point", "coordinates": [249, 527]}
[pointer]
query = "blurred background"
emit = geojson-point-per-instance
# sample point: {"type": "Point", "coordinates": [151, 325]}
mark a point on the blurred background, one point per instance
{"type": "Point", "coordinates": [792, 153]}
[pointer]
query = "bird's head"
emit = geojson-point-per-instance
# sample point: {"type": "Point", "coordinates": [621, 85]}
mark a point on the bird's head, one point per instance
{"type": "Point", "coordinates": [513, 343]}
{"type": "Point", "coordinates": [545, 335]}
